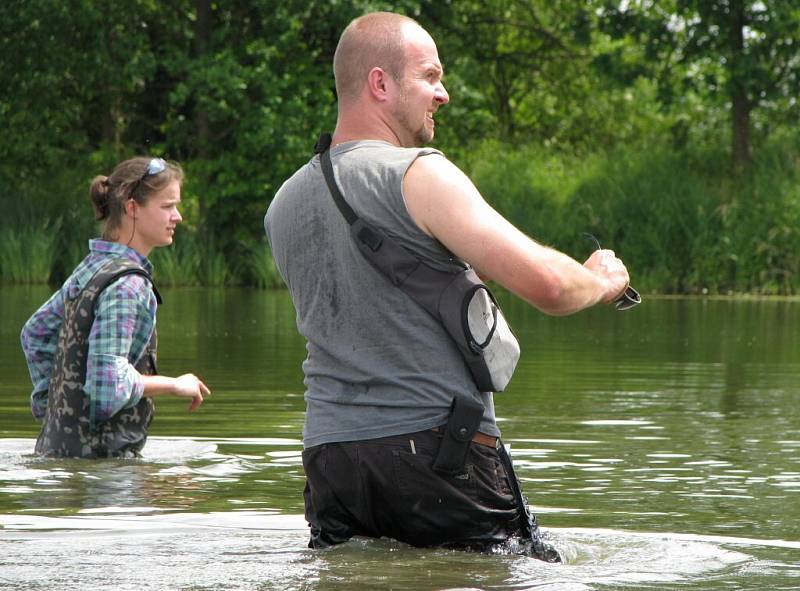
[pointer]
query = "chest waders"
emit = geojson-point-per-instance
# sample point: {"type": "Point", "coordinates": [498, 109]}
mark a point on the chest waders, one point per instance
{"type": "Point", "coordinates": [68, 429]}
{"type": "Point", "coordinates": [446, 296]}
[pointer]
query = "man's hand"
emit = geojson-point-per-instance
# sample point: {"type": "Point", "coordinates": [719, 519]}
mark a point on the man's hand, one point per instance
{"type": "Point", "coordinates": [605, 264]}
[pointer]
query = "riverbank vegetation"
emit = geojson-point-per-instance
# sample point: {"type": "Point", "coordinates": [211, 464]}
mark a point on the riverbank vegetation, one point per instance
{"type": "Point", "coordinates": [668, 132]}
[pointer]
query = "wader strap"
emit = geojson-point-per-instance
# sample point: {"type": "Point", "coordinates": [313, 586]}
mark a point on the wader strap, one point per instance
{"type": "Point", "coordinates": [133, 271]}
{"type": "Point", "coordinates": [530, 529]}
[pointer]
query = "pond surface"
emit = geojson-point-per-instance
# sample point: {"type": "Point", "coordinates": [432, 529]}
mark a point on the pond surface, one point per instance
{"type": "Point", "coordinates": [659, 447]}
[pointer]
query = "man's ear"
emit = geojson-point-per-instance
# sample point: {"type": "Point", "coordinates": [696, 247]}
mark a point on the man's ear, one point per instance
{"type": "Point", "coordinates": [377, 82]}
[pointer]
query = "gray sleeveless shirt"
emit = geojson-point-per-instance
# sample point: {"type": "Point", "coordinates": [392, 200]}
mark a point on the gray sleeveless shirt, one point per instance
{"type": "Point", "coordinates": [377, 364]}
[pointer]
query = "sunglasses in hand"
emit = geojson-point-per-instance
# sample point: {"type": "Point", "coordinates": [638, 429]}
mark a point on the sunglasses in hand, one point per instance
{"type": "Point", "coordinates": [630, 297]}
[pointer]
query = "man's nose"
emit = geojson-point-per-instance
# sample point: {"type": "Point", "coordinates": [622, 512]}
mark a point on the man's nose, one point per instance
{"type": "Point", "coordinates": [441, 95]}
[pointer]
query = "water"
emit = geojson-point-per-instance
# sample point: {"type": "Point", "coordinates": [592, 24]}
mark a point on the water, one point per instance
{"type": "Point", "coordinates": [659, 447]}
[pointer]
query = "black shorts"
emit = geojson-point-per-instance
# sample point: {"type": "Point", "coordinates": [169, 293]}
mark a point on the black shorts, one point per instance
{"type": "Point", "coordinates": [387, 488]}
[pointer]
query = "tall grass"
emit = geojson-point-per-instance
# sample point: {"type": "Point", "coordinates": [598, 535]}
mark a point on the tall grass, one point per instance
{"type": "Point", "coordinates": [216, 272]}
{"type": "Point", "coordinates": [679, 219]}
{"type": "Point", "coordinates": [176, 265]}
{"type": "Point", "coordinates": [180, 264]}
{"type": "Point", "coordinates": [190, 261]}
{"type": "Point", "coordinates": [264, 272]}
{"type": "Point", "coordinates": [27, 255]}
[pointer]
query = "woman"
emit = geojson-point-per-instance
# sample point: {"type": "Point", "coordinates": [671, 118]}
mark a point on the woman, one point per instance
{"type": "Point", "coordinates": [91, 347]}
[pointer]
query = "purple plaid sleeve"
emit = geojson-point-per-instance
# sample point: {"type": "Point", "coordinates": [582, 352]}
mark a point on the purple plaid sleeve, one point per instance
{"type": "Point", "coordinates": [39, 339]}
{"type": "Point", "coordinates": [125, 317]}
{"type": "Point", "coordinates": [124, 322]}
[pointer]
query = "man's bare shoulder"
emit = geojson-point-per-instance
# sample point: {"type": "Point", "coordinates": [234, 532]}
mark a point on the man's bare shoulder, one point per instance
{"type": "Point", "coordinates": [435, 189]}
{"type": "Point", "coordinates": [434, 167]}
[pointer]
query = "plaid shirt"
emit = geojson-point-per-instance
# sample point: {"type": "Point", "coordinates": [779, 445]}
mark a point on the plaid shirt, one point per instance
{"type": "Point", "coordinates": [125, 316]}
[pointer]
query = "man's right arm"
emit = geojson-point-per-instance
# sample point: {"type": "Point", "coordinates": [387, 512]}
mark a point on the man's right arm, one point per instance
{"type": "Point", "coordinates": [447, 206]}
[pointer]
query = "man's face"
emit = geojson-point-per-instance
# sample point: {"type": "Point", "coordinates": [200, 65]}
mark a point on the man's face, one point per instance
{"type": "Point", "coordinates": [421, 91]}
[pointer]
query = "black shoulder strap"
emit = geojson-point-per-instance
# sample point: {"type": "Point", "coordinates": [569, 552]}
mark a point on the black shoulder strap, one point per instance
{"type": "Point", "coordinates": [124, 267]}
{"type": "Point", "coordinates": [323, 149]}
{"type": "Point", "coordinates": [362, 231]}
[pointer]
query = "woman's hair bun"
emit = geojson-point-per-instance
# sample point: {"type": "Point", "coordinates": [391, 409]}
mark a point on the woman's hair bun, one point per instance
{"type": "Point", "coordinates": [99, 192]}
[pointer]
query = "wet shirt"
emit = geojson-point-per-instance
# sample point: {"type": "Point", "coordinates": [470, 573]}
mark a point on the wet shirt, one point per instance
{"type": "Point", "coordinates": [124, 321]}
{"type": "Point", "coordinates": [378, 364]}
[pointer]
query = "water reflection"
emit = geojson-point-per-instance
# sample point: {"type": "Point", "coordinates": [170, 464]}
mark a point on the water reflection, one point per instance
{"type": "Point", "coordinates": [250, 550]}
{"type": "Point", "coordinates": [660, 447]}
{"type": "Point", "coordinates": [109, 509]}
{"type": "Point", "coordinates": [175, 474]}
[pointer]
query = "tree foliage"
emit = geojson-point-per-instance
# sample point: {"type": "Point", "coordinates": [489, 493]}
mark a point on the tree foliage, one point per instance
{"type": "Point", "coordinates": [237, 92]}
{"type": "Point", "coordinates": [740, 58]}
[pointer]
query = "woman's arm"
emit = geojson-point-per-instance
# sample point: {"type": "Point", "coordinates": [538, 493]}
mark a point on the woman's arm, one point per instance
{"type": "Point", "coordinates": [39, 339]}
{"type": "Point", "coordinates": [186, 386]}
{"type": "Point", "coordinates": [124, 322]}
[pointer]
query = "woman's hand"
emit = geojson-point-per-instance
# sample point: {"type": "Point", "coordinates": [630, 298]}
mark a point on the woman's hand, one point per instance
{"type": "Point", "coordinates": [190, 386]}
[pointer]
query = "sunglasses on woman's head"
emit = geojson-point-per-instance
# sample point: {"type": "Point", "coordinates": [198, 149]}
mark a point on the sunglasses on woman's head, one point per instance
{"type": "Point", "coordinates": [154, 167]}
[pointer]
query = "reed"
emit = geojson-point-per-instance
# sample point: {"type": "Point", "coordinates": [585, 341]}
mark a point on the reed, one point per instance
{"type": "Point", "coordinates": [215, 270]}
{"type": "Point", "coordinates": [525, 184]}
{"type": "Point", "coordinates": [263, 270]}
{"type": "Point", "coordinates": [680, 220]}
{"type": "Point", "coordinates": [189, 262]}
{"type": "Point", "coordinates": [27, 254]}
{"type": "Point", "coordinates": [179, 264]}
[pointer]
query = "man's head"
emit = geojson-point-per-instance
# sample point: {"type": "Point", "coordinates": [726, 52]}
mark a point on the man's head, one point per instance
{"type": "Point", "coordinates": [393, 62]}
{"type": "Point", "coordinates": [372, 40]}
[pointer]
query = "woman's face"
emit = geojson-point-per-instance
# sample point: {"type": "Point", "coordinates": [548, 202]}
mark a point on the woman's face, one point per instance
{"type": "Point", "coordinates": [157, 219]}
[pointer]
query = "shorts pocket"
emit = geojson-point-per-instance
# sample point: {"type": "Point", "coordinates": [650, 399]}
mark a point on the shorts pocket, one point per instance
{"type": "Point", "coordinates": [490, 477]}
{"type": "Point", "coordinates": [415, 478]}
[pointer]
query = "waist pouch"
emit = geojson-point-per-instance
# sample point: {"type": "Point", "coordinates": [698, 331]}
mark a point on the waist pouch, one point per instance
{"type": "Point", "coordinates": [463, 423]}
{"type": "Point", "coordinates": [454, 295]}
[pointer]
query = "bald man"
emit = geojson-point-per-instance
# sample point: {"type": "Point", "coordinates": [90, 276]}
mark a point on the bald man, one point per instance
{"type": "Point", "coordinates": [381, 373]}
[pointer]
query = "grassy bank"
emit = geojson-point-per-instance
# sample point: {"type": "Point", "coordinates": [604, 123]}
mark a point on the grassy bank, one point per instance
{"type": "Point", "coordinates": [34, 255]}
{"type": "Point", "coordinates": [680, 220]}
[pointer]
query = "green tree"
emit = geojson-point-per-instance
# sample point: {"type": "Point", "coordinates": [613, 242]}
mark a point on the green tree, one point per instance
{"type": "Point", "coordinates": [71, 81]}
{"type": "Point", "coordinates": [253, 89]}
{"type": "Point", "coordinates": [509, 49]}
{"type": "Point", "coordinates": [739, 56]}
{"type": "Point", "coordinates": [526, 71]}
